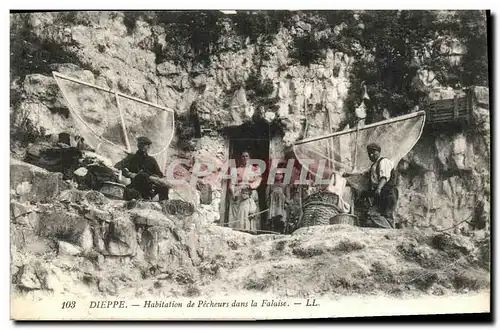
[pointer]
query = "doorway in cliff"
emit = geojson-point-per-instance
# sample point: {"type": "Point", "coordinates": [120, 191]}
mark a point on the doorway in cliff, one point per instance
{"type": "Point", "coordinates": [252, 137]}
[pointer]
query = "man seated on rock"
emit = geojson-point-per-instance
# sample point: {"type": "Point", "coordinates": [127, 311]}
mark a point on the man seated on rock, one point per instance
{"type": "Point", "coordinates": [144, 172]}
{"type": "Point", "coordinates": [382, 192]}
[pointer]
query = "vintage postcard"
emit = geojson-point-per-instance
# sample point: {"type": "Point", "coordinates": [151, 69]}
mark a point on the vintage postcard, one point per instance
{"type": "Point", "coordinates": [249, 165]}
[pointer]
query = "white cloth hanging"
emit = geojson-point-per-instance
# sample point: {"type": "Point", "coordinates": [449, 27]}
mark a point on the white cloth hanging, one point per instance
{"type": "Point", "coordinates": [337, 185]}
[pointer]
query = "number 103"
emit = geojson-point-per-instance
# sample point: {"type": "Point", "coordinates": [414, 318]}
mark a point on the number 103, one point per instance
{"type": "Point", "coordinates": [68, 304]}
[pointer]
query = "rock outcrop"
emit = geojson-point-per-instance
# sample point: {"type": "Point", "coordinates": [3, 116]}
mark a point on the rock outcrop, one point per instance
{"type": "Point", "coordinates": [447, 176]}
{"type": "Point", "coordinates": [33, 183]}
{"type": "Point", "coordinates": [83, 243]}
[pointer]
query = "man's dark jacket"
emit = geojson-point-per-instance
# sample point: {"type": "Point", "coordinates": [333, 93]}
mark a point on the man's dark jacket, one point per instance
{"type": "Point", "coordinates": [144, 166]}
{"type": "Point", "coordinates": [140, 162]}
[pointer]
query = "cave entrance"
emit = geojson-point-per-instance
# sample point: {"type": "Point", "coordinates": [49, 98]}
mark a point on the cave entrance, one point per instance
{"type": "Point", "coordinates": [253, 137]}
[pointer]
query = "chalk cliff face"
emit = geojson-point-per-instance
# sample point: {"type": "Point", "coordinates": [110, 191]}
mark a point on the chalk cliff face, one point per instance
{"type": "Point", "coordinates": [449, 176]}
{"type": "Point", "coordinates": [256, 80]}
{"type": "Point", "coordinates": [234, 88]}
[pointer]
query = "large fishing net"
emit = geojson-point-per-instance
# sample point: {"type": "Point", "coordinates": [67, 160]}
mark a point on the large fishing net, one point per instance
{"type": "Point", "coordinates": [345, 151]}
{"type": "Point", "coordinates": [110, 122]}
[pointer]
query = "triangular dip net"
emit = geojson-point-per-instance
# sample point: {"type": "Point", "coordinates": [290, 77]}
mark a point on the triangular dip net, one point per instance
{"type": "Point", "coordinates": [345, 151]}
{"type": "Point", "coordinates": [110, 122]}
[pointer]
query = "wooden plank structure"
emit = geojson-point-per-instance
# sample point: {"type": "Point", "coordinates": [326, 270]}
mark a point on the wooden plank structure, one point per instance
{"type": "Point", "coordinates": [456, 110]}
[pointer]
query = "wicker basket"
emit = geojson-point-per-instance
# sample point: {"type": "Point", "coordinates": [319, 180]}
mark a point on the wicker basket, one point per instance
{"type": "Point", "coordinates": [344, 218]}
{"type": "Point", "coordinates": [318, 209]}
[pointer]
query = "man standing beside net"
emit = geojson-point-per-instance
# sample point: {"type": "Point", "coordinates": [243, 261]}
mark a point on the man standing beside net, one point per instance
{"type": "Point", "coordinates": [382, 193]}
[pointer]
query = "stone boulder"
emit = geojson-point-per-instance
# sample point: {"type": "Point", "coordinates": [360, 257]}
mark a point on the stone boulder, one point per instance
{"type": "Point", "coordinates": [214, 240]}
{"type": "Point", "coordinates": [96, 198]}
{"type": "Point", "coordinates": [481, 96]}
{"type": "Point", "coordinates": [68, 249]}
{"type": "Point", "coordinates": [42, 118]}
{"type": "Point", "coordinates": [163, 245]}
{"type": "Point", "coordinates": [23, 214]}
{"type": "Point", "coordinates": [121, 238]}
{"type": "Point", "coordinates": [72, 196]}
{"type": "Point", "coordinates": [452, 244]}
{"type": "Point", "coordinates": [98, 214]}
{"type": "Point", "coordinates": [185, 193]}
{"type": "Point", "coordinates": [37, 275]}
{"type": "Point", "coordinates": [32, 275]}
{"type": "Point", "coordinates": [150, 217]}
{"type": "Point", "coordinates": [58, 223]}
{"type": "Point", "coordinates": [28, 278]}
{"type": "Point", "coordinates": [454, 151]}
{"type": "Point", "coordinates": [34, 183]}
{"type": "Point", "coordinates": [107, 286]}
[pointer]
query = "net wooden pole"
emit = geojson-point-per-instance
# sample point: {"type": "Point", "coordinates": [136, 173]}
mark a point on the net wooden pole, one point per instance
{"type": "Point", "coordinates": [354, 160]}
{"type": "Point", "coordinates": [124, 128]}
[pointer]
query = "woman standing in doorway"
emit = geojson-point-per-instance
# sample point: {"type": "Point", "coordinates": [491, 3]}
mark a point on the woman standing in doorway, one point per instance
{"type": "Point", "coordinates": [244, 199]}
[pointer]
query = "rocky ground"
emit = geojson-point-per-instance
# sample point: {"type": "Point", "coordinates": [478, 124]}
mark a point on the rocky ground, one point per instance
{"type": "Point", "coordinates": [71, 242]}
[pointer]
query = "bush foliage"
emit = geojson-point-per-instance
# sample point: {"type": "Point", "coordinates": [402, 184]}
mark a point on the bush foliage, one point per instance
{"type": "Point", "coordinates": [390, 47]}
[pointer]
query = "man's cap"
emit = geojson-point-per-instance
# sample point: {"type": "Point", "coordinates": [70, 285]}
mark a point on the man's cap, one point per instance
{"type": "Point", "coordinates": [373, 146]}
{"type": "Point", "coordinates": [144, 140]}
